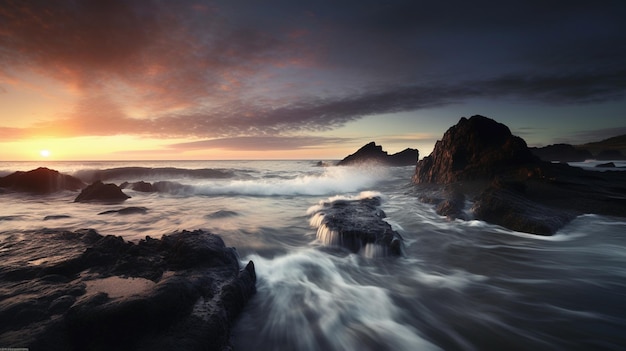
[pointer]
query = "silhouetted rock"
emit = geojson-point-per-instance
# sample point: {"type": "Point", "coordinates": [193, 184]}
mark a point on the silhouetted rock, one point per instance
{"type": "Point", "coordinates": [41, 181]}
{"type": "Point", "coordinates": [180, 292]}
{"type": "Point", "coordinates": [372, 153]}
{"type": "Point", "coordinates": [610, 155]}
{"type": "Point", "coordinates": [606, 165]}
{"type": "Point", "coordinates": [356, 225]}
{"type": "Point", "coordinates": [561, 153]}
{"type": "Point", "coordinates": [99, 191]}
{"type": "Point", "coordinates": [475, 148]}
{"type": "Point", "coordinates": [510, 186]}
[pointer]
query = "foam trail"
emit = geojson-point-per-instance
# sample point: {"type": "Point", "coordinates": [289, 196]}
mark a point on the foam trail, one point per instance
{"type": "Point", "coordinates": [308, 303]}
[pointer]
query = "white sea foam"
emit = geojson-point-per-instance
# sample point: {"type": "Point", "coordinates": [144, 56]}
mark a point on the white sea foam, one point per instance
{"type": "Point", "coordinates": [309, 292]}
{"type": "Point", "coordinates": [332, 180]}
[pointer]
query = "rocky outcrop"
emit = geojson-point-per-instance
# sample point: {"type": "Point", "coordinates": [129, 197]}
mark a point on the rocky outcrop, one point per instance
{"type": "Point", "coordinates": [372, 153]}
{"type": "Point", "coordinates": [475, 148]}
{"type": "Point", "coordinates": [561, 153]}
{"type": "Point", "coordinates": [40, 181]}
{"type": "Point", "coordinates": [356, 225]}
{"type": "Point", "coordinates": [508, 185]}
{"type": "Point", "coordinates": [100, 192]}
{"type": "Point", "coordinates": [180, 292]}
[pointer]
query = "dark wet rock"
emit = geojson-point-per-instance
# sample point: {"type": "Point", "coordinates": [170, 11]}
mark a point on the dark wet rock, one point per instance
{"type": "Point", "coordinates": [182, 291]}
{"type": "Point", "coordinates": [372, 153]}
{"type": "Point", "coordinates": [561, 153]}
{"type": "Point", "coordinates": [475, 148]}
{"type": "Point", "coordinates": [453, 204]}
{"type": "Point", "coordinates": [222, 214]}
{"type": "Point", "coordinates": [506, 205]}
{"type": "Point", "coordinates": [99, 191]}
{"type": "Point", "coordinates": [610, 155]}
{"type": "Point", "coordinates": [40, 181]}
{"type": "Point", "coordinates": [54, 217]}
{"type": "Point", "coordinates": [606, 165]}
{"type": "Point", "coordinates": [508, 185]}
{"type": "Point", "coordinates": [355, 224]}
{"type": "Point", "coordinates": [126, 211]}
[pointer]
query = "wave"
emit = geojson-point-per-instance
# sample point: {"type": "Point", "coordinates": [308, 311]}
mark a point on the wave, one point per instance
{"type": "Point", "coordinates": [332, 180]}
{"type": "Point", "coordinates": [310, 292]}
{"type": "Point", "coordinates": [142, 173]}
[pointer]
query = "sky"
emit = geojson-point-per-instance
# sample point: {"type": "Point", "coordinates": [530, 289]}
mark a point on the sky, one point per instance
{"type": "Point", "coordinates": [175, 80]}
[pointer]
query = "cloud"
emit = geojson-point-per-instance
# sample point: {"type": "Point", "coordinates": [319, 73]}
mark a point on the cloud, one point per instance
{"type": "Point", "coordinates": [260, 143]}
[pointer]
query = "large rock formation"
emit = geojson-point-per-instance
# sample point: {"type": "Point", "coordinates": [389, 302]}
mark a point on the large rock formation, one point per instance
{"type": "Point", "coordinates": [510, 186]}
{"type": "Point", "coordinates": [40, 181]}
{"type": "Point", "coordinates": [561, 153]}
{"type": "Point", "coordinates": [475, 148]}
{"type": "Point", "coordinates": [102, 293]}
{"type": "Point", "coordinates": [357, 225]}
{"type": "Point", "coordinates": [372, 153]}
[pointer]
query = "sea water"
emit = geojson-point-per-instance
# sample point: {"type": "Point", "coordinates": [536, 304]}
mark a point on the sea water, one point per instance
{"type": "Point", "coordinates": [460, 285]}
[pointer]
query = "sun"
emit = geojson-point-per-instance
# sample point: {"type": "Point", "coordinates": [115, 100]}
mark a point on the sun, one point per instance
{"type": "Point", "coordinates": [44, 153]}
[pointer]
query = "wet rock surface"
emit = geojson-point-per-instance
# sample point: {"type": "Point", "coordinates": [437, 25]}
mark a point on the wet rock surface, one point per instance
{"type": "Point", "coordinates": [372, 153]}
{"type": "Point", "coordinates": [40, 181]}
{"type": "Point", "coordinates": [508, 185]}
{"type": "Point", "coordinates": [357, 225]}
{"type": "Point", "coordinates": [83, 291]}
{"type": "Point", "coordinates": [101, 192]}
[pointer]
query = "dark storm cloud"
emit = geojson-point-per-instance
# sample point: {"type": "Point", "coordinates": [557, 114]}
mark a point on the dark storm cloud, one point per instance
{"type": "Point", "coordinates": [230, 69]}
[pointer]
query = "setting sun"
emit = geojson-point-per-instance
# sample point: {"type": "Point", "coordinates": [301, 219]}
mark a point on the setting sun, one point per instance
{"type": "Point", "coordinates": [44, 153]}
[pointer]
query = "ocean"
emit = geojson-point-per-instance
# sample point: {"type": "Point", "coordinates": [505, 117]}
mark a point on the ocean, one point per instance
{"type": "Point", "coordinates": [459, 285]}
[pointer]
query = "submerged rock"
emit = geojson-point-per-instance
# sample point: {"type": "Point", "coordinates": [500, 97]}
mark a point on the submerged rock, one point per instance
{"type": "Point", "coordinates": [99, 191]}
{"type": "Point", "coordinates": [40, 181]}
{"type": "Point", "coordinates": [357, 225]}
{"type": "Point", "coordinates": [126, 211]}
{"type": "Point", "coordinates": [180, 292]}
{"type": "Point", "coordinates": [372, 153]}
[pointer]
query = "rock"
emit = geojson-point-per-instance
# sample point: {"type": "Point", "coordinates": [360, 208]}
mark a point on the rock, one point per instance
{"type": "Point", "coordinates": [510, 186]}
{"type": "Point", "coordinates": [372, 153]}
{"type": "Point", "coordinates": [126, 211]}
{"type": "Point", "coordinates": [475, 148]}
{"type": "Point", "coordinates": [184, 290]}
{"type": "Point", "coordinates": [356, 225]}
{"type": "Point", "coordinates": [606, 165]}
{"type": "Point", "coordinates": [40, 181]}
{"type": "Point", "coordinates": [53, 217]}
{"type": "Point", "coordinates": [561, 153]}
{"type": "Point", "coordinates": [99, 191]}
{"type": "Point", "coordinates": [503, 205]}
{"type": "Point", "coordinates": [608, 155]}
{"type": "Point", "coordinates": [142, 186]}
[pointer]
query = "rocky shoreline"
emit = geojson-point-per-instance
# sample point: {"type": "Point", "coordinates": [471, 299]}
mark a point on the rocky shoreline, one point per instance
{"type": "Point", "coordinates": [183, 291]}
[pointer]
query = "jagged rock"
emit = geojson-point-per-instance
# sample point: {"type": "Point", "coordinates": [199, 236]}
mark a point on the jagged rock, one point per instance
{"type": "Point", "coordinates": [475, 148]}
{"type": "Point", "coordinates": [182, 291]}
{"type": "Point", "coordinates": [561, 153]}
{"type": "Point", "coordinates": [357, 225]}
{"type": "Point", "coordinates": [375, 154]}
{"type": "Point", "coordinates": [41, 181]}
{"type": "Point", "coordinates": [99, 191]}
{"type": "Point", "coordinates": [510, 186]}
